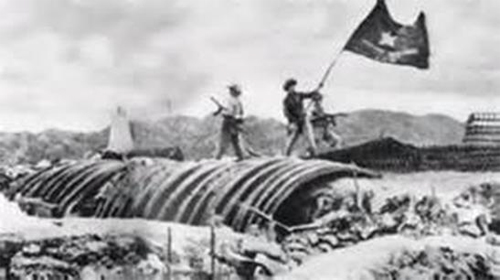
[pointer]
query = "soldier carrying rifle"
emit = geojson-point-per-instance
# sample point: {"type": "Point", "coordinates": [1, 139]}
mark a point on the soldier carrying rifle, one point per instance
{"type": "Point", "coordinates": [232, 114]}
{"type": "Point", "coordinates": [326, 122]}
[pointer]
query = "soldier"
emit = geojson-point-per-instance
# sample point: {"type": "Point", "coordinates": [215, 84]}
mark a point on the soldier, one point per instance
{"type": "Point", "coordinates": [232, 114]}
{"type": "Point", "coordinates": [326, 122]}
{"type": "Point", "coordinates": [298, 121]}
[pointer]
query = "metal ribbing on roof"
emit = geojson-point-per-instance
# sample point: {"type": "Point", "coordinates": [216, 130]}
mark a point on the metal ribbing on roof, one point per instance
{"type": "Point", "coordinates": [187, 192]}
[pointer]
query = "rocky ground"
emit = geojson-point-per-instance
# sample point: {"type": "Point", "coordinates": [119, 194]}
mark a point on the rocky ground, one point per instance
{"type": "Point", "coordinates": [422, 226]}
{"type": "Point", "coordinates": [399, 257]}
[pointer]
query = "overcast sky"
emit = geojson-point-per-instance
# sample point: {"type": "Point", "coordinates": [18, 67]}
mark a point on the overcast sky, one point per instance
{"type": "Point", "coordinates": [68, 63]}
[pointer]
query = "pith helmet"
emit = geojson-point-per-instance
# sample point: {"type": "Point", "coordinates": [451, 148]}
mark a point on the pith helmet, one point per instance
{"type": "Point", "coordinates": [288, 83]}
{"type": "Point", "coordinates": [234, 88]}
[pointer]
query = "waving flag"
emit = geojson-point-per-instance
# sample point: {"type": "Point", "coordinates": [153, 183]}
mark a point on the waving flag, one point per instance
{"type": "Point", "coordinates": [381, 38]}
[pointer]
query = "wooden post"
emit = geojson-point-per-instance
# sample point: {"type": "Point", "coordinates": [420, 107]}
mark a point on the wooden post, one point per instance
{"type": "Point", "coordinates": [359, 198]}
{"type": "Point", "coordinates": [169, 253]}
{"type": "Point", "coordinates": [212, 252]}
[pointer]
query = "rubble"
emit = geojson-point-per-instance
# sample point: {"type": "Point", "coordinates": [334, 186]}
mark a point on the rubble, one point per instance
{"type": "Point", "coordinates": [403, 215]}
{"type": "Point", "coordinates": [70, 255]}
{"type": "Point", "coordinates": [435, 263]}
{"type": "Point", "coordinates": [139, 249]}
{"type": "Point", "coordinates": [128, 253]}
{"type": "Point", "coordinates": [399, 257]}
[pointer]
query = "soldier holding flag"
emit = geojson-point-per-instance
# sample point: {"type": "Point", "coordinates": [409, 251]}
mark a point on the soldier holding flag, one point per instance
{"type": "Point", "coordinates": [299, 122]}
{"type": "Point", "coordinates": [378, 37]}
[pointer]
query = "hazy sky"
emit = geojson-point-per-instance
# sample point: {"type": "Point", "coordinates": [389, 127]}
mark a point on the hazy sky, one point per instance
{"type": "Point", "coordinates": [68, 63]}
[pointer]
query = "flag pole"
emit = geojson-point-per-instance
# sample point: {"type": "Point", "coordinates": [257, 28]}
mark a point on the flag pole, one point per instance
{"type": "Point", "coordinates": [331, 65]}
{"type": "Point", "coordinates": [337, 56]}
{"type": "Point", "coordinates": [327, 73]}
{"type": "Point", "coordinates": [335, 59]}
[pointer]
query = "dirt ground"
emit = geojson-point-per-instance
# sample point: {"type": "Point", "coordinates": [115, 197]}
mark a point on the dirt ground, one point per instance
{"type": "Point", "coordinates": [446, 184]}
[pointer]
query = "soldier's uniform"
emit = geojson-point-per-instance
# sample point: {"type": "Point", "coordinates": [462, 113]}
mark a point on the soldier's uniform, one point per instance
{"type": "Point", "coordinates": [298, 121]}
{"type": "Point", "coordinates": [230, 132]}
{"type": "Point", "coordinates": [320, 119]}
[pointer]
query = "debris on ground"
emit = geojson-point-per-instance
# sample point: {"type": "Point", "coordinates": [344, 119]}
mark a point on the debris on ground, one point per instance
{"type": "Point", "coordinates": [71, 257]}
{"type": "Point", "coordinates": [399, 257]}
{"type": "Point", "coordinates": [82, 247]}
{"type": "Point", "coordinates": [399, 215]}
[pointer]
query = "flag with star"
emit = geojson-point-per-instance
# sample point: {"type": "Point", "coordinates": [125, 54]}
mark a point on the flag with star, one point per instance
{"type": "Point", "coordinates": [381, 38]}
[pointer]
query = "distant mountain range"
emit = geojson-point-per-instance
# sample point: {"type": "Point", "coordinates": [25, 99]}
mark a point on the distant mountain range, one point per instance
{"type": "Point", "coordinates": [198, 137]}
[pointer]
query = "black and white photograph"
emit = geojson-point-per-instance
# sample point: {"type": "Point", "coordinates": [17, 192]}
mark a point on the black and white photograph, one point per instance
{"type": "Point", "coordinates": [249, 139]}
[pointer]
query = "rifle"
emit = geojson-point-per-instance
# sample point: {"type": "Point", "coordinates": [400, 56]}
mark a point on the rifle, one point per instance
{"type": "Point", "coordinates": [219, 105]}
{"type": "Point", "coordinates": [238, 124]}
{"type": "Point", "coordinates": [328, 118]}
{"type": "Point", "coordinates": [220, 108]}
{"type": "Point", "coordinates": [318, 112]}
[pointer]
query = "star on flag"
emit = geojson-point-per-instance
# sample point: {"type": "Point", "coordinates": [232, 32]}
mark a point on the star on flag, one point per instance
{"type": "Point", "coordinates": [381, 38]}
{"type": "Point", "coordinates": [387, 39]}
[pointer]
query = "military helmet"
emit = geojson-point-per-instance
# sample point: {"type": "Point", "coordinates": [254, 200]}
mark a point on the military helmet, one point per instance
{"type": "Point", "coordinates": [288, 83]}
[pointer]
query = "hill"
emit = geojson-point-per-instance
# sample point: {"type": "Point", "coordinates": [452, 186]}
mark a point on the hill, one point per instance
{"type": "Point", "coordinates": [434, 129]}
{"type": "Point", "coordinates": [198, 137]}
